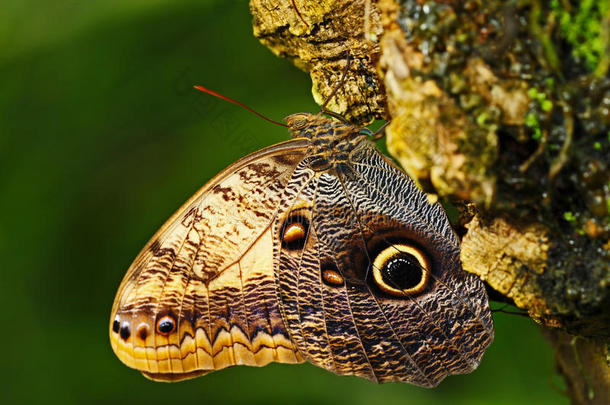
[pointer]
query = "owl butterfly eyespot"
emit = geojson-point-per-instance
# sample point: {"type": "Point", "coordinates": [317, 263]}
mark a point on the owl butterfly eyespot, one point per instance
{"type": "Point", "coordinates": [165, 325]}
{"type": "Point", "coordinates": [294, 230]}
{"type": "Point", "coordinates": [316, 249]}
{"type": "Point", "coordinates": [401, 270]}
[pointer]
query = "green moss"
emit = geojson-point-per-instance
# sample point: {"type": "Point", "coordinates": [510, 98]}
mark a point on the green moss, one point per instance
{"type": "Point", "coordinates": [570, 217]}
{"type": "Point", "coordinates": [546, 105]}
{"type": "Point", "coordinates": [574, 222]}
{"type": "Point", "coordinates": [541, 99]}
{"type": "Point", "coordinates": [532, 122]}
{"type": "Point", "coordinates": [582, 27]}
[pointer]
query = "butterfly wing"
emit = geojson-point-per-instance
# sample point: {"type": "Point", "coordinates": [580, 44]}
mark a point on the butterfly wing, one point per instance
{"type": "Point", "coordinates": [315, 249]}
{"type": "Point", "coordinates": [201, 294]}
{"type": "Point", "coordinates": [343, 308]}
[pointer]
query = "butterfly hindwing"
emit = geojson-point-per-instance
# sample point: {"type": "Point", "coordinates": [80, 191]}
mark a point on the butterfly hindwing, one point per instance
{"type": "Point", "coordinates": [351, 213]}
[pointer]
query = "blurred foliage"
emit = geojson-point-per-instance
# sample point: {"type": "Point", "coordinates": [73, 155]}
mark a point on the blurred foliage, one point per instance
{"type": "Point", "coordinates": [101, 139]}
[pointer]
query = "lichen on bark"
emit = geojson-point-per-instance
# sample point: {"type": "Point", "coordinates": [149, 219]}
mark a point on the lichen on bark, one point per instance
{"type": "Point", "coordinates": [316, 36]}
{"type": "Point", "coordinates": [500, 107]}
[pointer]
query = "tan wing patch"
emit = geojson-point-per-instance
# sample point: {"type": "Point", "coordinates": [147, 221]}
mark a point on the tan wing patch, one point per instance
{"type": "Point", "coordinates": [201, 295]}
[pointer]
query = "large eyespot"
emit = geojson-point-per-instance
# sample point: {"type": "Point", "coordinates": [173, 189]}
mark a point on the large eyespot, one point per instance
{"type": "Point", "coordinates": [166, 325]}
{"type": "Point", "coordinates": [294, 231]}
{"type": "Point", "coordinates": [401, 270]}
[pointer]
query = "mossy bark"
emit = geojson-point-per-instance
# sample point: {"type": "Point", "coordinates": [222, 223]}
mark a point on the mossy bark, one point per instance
{"type": "Point", "coordinates": [502, 108]}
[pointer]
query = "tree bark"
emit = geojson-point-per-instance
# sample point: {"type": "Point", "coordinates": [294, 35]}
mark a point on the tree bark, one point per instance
{"type": "Point", "coordinates": [502, 108]}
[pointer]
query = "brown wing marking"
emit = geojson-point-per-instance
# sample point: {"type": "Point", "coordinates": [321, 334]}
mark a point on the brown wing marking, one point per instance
{"type": "Point", "coordinates": [471, 302]}
{"type": "Point", "coordinates": [386, 356]}
{"type": "Point", "coordinates": [452, 324]}
{"type": "Point", "coordinates": [305, 298]}
{"type": "Point", "coordinates": [406, 341]}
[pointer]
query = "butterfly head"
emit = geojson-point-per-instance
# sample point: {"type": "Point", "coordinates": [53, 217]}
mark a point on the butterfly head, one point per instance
{"type": "Point", "coordinates": [331, 140]}
{"type": "Point", "coordinates": [307, 125]}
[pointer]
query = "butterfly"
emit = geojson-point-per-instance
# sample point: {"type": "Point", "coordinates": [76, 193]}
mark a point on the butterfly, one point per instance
{"type": "Point", "coordinates": [315, 249]}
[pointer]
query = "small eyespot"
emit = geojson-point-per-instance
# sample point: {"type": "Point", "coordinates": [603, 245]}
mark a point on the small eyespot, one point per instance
{"type": "Point", "coordinates": [116, 324]}
{"type": "Point", "coordinates": [125, 331]}
{"type": "Point", "coordinates": [294, 232]}
{"type": "Point", "coordinates": [166, 325]}
{"type": "Point", "coordinates": [401, 270]}
{"type": "Point", "coordinates": [332, 277]}
{"type": "Point", "coordinates": [143, 331]}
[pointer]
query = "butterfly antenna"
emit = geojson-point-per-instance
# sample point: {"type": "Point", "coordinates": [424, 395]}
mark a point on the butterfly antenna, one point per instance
{"type": "Point", "coordinates": [503, 311]}
{"type": "Point", "coordinates": [299, 13]}
{"type": "Point", "coordinates": [380, 133]}
{"type": "Point", "coordinates": [230, 100]}
{"type": "Point", "coordinates": [340, 84]}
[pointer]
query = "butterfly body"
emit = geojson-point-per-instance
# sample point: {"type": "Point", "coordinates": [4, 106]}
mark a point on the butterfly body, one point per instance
{"type": "Point", "coordinates": [316, 249]}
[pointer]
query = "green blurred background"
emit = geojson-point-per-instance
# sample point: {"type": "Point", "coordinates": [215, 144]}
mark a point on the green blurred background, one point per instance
{"type": "Point", "coordinates": [101, 139]}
